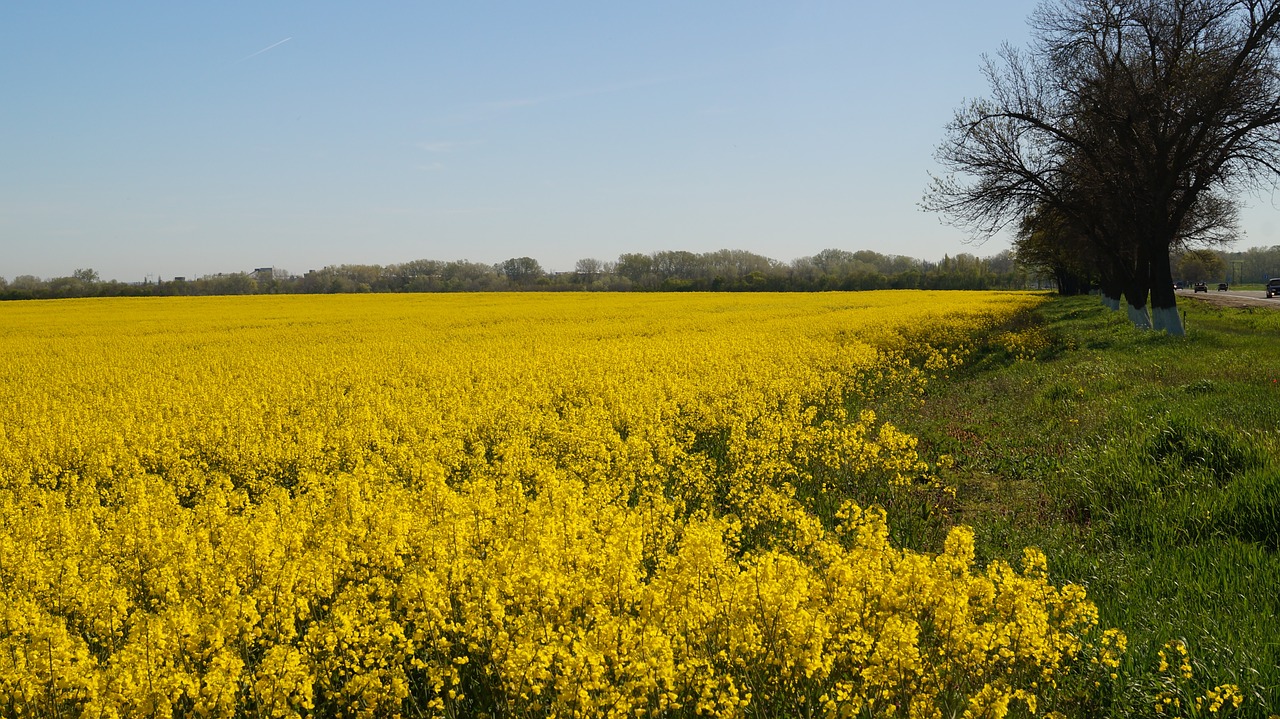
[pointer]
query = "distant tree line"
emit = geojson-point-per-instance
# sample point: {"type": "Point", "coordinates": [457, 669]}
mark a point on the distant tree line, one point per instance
{"type": "Point", "coordinates": [1256, 264]}
{"type": "Point", "coordinates": [665, 271]}
{"type": "Point", "coordinates": [1251, 266]}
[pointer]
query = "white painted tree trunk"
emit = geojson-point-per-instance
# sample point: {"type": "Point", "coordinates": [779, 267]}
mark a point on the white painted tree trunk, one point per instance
{"type": "Point", "coordinates": [1139, 317]}
{"type": "Point", "coordinates": [1111, 302]}
{"type": "Point", "coordinates": [1167, 319]}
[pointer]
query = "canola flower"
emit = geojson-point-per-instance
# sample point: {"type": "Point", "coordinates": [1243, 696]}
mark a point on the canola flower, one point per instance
{"type": "Point", "coordinates": [1175, 696]}
{"type": "Point", "coordinates": [512, 505]}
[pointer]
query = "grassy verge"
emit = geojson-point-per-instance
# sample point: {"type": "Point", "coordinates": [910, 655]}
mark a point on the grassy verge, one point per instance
{"type": "Point", "coordinates": [1147, 468]}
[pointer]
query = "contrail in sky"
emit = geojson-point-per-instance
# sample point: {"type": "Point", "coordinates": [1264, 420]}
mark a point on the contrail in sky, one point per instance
{"type": "Point", "coordinates": [278, 44]}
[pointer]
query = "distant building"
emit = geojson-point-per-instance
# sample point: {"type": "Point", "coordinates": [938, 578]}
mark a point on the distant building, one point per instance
{"type": "Point", "coordinates": [262, 274]}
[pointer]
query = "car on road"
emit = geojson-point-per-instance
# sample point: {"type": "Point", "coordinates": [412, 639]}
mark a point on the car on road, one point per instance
{"type": "Point", "coordinates": [1273, 287]}
{"type": "Point", "coordinates": [1222, 286]}
{"type": "Point", "coordinates": [1201, 287]}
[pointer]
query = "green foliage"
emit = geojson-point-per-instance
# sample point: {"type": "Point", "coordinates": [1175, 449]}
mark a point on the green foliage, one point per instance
{"type": "Point", "coordinates": [1201, 265]}
{"type": "Point", "coordinates": [1147, 467]}
{"type": "Point", "coordinates": [664, 271]}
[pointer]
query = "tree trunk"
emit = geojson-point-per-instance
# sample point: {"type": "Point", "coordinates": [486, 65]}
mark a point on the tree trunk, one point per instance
{"type": "Point", "coordinates": [1137, 285]}
{"type": "Point", "coordinates": [1135, 296]}
{"type": "Point", "coordinates": [1111, 288]}
{"type": "Point", "coordinates": [1164, 302]}
{"type": "Point", "coordinates": [1138, 315]}
{"type": "Point", "coordinates": [1069, 283]}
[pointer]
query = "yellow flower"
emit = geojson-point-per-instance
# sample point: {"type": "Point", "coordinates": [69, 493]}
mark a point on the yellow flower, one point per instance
{"type": "Point", "coordinates": [546, 505]}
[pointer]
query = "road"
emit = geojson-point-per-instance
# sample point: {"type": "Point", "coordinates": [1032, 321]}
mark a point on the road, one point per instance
{"type": "Point", "coordinates": [1233, 298]}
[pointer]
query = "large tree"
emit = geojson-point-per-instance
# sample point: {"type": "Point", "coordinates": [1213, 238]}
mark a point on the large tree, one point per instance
{"type": "Point", "coordinates": [1201, 265]}
{"type": "Point", "coordinates": [1130, 119]}
{"type": "Point", "coordinates": [520, 270]}
{"type": "Point", "coordinates": [1048, 244]}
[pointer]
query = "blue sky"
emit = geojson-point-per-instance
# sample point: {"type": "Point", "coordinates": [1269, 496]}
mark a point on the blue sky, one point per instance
{"type": "Point", "coordinates": [162, 139]}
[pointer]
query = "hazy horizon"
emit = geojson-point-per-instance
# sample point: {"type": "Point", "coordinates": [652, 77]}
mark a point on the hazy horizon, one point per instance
{"type": "Point", "coordinates": [299, 272]}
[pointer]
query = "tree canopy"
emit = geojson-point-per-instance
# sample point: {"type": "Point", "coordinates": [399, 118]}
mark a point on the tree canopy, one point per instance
{"type": "Point", "coordinates": [1127, 123]}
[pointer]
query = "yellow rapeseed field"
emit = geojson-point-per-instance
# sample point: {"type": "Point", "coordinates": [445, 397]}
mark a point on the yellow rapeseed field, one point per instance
{"type": "Point", "coordinates": [513, 505]}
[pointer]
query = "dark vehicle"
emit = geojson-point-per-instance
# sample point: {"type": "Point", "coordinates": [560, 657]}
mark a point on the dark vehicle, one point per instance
{"type": "Point", "coordinates": [1273, 287]}
{"type": "Point", "coordinates": [1201, 287]}
{"type": "Point", "coordinates": [1222, 286]}
{"type": "Point", "coordinates": [1179, 285]}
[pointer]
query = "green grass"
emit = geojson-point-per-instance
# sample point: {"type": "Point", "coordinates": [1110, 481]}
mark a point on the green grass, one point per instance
{"type": "Point", "coordinates": [1147, 467]}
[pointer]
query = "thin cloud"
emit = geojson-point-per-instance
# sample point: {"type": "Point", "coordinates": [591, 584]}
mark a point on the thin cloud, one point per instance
{"type": "Point", "coordinates": [441, 146]}
{"type": "Point", "coordinates": [272, 46]}
{"type": "Point", "coordinates": [519, 102]}
{"type": "Point", "coordinates": [481, 210]}
{"type": "Point", "coordinates": [415, 211]}
{"type": "Point", "coordinates": [498, 107]}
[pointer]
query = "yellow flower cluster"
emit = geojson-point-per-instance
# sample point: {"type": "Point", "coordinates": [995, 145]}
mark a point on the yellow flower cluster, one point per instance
{"type": "Point", "coordinates": [532, 505]}
{"type": "Point", "coordinates": [1174, 686]}
{"type": "Point", "coordinates": [1024, 345]}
